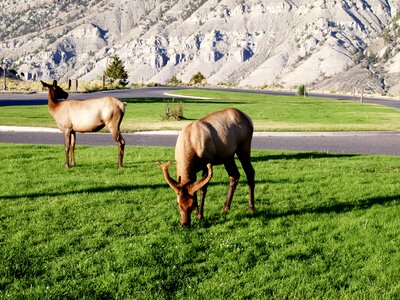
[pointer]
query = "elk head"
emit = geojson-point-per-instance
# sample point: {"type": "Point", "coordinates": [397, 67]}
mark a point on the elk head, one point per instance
{"type": "Point", "coordinates": [185, 192]}
{"type": "Point", "coordinates": [55, 90]}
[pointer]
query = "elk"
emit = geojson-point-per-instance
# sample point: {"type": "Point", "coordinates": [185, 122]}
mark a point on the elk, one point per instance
{"type": "Point", "coordinates": [85, 116]}
{"type": "Point", "coordinates": [211, 140]}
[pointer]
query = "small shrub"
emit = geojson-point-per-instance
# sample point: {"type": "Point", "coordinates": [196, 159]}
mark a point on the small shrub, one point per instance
{"type": "Point", "coordinates": [173, 111]}
{"type": "Point", "coordinates": [197, 78]}
{"type": "Point", "coordinates": [301, 90]}
{"type": "Point", "coordinates": [174, 81]}
{"type": "Point", "coordinates": [372, 58]}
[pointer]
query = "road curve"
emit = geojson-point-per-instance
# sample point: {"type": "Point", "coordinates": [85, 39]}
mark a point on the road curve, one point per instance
{"type": "Point", "coordinates": [10, 99]}
{"type": "Point", "coordinates": [7, 99]}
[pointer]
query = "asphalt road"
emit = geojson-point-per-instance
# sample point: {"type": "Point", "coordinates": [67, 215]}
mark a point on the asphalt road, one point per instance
{"type": "Point", "coordinates": [386, 143]}
{"type": "Point", "coordinates": [7, 99]}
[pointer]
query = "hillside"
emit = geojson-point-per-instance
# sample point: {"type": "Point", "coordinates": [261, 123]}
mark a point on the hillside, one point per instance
{"type": "Point", "coordinates": [333, 45]}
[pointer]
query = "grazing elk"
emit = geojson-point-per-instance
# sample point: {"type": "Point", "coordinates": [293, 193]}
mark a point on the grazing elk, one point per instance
{"type": "Point", "coordinates": [212, 140]}
{"type": "Point", "coordinates": [85, 116]}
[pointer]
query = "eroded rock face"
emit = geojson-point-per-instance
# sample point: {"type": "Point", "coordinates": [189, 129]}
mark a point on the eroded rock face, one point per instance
{"type": "Point", "coordinates": [248, 43]}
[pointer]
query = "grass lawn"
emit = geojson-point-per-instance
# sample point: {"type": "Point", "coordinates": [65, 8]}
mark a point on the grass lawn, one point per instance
{"type": "Point", "coordinates": [326, 227]}
{"type": "Point", "coordinates": [269, 113]}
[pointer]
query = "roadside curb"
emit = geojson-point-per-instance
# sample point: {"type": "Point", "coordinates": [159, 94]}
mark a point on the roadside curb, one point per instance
{"type": "Point", "coordinates": [28, 129]}
{"type": "Point", "coordinates": [255, 134]}
{"type": "Point", "coordinates": [188, 97]}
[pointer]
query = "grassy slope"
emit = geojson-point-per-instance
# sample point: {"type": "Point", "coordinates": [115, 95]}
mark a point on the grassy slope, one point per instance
{"type": "Point", "coordinates": [326, 226]}
{"type": "Point", "coordinates": [269, 113]}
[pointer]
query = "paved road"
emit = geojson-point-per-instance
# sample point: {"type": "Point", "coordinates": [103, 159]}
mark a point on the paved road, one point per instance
{"type": "Point", "coordinates": [159, 92]}
{"type": "Point", "coordinates": [386, 143]}
{"type": "Point", "coordinates": [41, 98]}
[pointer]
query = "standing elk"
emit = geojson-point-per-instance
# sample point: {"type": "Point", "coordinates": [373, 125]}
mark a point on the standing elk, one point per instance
{"type": "Point", "coordinates": [212, 140]}
{"type": "Point", "coordinates": [85, 116]}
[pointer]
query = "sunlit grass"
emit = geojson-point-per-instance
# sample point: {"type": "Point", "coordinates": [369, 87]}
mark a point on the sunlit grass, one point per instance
{"type": "Point", "coordinates": [326, 227]}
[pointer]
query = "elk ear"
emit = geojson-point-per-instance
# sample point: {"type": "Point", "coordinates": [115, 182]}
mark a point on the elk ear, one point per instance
{"type": "Point", "coordinates": [193, 188]}
{"type": "Point", "coordinates": [45, 84]}
{"type": "Point", "coordinates": [55, 83]}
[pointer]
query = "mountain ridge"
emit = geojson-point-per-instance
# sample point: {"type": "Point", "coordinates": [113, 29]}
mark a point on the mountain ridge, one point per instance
{"type": "Point", "coordinates": [334, 45]}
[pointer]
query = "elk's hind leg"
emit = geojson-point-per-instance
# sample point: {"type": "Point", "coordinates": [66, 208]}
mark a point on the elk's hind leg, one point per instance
{"type": "Point", "coordinates": [119, 140]}
{"type": "Point", "coordinates": [114, 127]}
{"type": "Point", "coordinates": [250, 174]}
{"type": "Point", "coordinates": [121, 150]}
{"type": "Point", "coordinates": [72, 147]}
{"type": "Point", "coordinates": [234, 176]}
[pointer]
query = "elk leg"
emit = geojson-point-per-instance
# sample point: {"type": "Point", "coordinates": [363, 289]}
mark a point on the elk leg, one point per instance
{"type": "Point", "coordinates": [72, 147]}
{"type": "Point", "coordinates": [234, 176]}
{"type": "Point", "coordinates": [250, 174]}
{"type": "Point", "coordinates": [203, 192]}
{"type": "Point", "coordinates": [67, 139]}
{"type": "Point", "coordinates": [121, 146]}
{"type": "Point", "coordinates": [121, 151]}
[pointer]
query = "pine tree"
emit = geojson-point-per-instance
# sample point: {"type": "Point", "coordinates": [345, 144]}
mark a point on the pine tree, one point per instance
{"type": "Point", "coordinates": [116, 71]}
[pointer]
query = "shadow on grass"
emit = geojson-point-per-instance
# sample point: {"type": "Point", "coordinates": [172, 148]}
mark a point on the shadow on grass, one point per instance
{"type": "Point", "coordinates": [265, 215]}
{"type": "Point", "coordinates": [333, 208]}
{"type": "Point", "coordinates": [183, 100]}
{"type": "Point", "coordinates": [300, 155]}
{"type": "Point", "coordinates": [106, 189]}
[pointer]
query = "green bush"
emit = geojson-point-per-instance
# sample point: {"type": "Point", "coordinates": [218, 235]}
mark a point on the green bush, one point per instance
{"type": "Point", "coordinates": [174, 81]}
{"type": "Point", "coordinates": [198, 78]}
{"type": "Point", "coordinates": [301, 90]}
{"type": "Point", "coordinates": [116, 71]}
{"type": "Point", "coordinates": [173, 111]}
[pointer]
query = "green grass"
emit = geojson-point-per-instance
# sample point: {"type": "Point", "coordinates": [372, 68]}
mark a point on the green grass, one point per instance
{"type": "Point", "coordinates": [326, 227]}
{"type": "Point", "coordinates": [269, 113]}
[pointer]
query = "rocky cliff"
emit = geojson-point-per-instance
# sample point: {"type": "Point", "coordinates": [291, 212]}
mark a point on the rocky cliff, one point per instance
{"type": "Point", "coordinates": [333, 45]}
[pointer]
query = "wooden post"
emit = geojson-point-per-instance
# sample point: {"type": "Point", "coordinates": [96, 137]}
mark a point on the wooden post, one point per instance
{"type": "Point", "coordinates": [362, 94]}
{"type": "Point", "coordinates": [4, 75]}
{"type": "Point", "coordinates": [73, 84]}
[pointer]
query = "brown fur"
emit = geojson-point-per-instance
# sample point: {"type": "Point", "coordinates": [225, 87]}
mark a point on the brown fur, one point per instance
{"type": "Point", "coordinates": [212, 140]}
{"type": "Point", "coordinates": [85, 116]}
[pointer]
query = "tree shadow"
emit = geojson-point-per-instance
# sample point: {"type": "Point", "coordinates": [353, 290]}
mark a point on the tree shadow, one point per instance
{"type": "Point", "coordinates": [266, 214]}
{"type": "Point", "coordinates": [300, 155]}
{"type": "Point", "coordinates": [113, 188]}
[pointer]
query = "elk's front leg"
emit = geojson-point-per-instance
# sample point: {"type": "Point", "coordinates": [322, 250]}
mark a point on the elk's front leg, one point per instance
{"type": "Point", "coordinates": [200, 210]}
{"type": "Point", "coordinates": [67, 140]}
